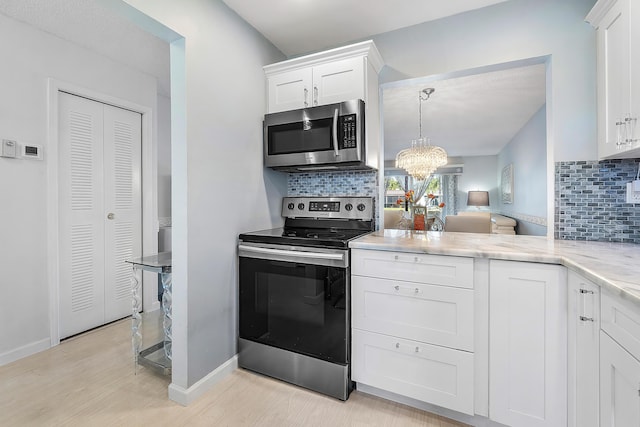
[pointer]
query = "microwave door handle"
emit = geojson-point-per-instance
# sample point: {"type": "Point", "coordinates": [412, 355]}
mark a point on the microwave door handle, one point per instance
{"type": "Point", "coordinates": [335, 133]}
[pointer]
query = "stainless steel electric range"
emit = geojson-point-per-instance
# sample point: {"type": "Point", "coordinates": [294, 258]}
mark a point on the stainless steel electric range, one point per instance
{"type": "Point", "coordinates": [294, 293]}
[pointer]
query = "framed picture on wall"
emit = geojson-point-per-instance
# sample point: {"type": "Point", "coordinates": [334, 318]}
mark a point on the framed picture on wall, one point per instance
{"type": "Point", "coordinates": [506, 185]}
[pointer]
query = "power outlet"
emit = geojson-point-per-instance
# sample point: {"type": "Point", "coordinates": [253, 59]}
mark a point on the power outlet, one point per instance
{"type": "Point", "coordinates": [632, 196]}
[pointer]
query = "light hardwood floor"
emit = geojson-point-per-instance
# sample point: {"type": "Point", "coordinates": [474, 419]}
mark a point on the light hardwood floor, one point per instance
{"type": "Point", "coordinates": [89, 381]}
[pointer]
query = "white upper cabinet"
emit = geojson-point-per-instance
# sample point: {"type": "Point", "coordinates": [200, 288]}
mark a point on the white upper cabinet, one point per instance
{"type": "Point", "coordinates": [288, 91]}
{"type": "Point", "coordinates": [339, 81]}
{"type": "Point", "coordinates": [618, 38]}
{"type": "Point", "coordinates": [337, 75]}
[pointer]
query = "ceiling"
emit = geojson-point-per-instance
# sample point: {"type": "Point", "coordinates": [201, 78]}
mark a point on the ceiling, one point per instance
{"type": "Point", "coordinates": [302, 26]}
{"type": "Point", "coordinates": [474, 115]}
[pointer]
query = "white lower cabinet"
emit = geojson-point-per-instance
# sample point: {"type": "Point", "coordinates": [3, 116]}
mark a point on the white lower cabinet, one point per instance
{"type": "Point", "coordinates": [619, 385]}
{"type": "Point", "coordinates": [438, 315]}
{"type": "Point", "coordinates": [619, 362]}
{"type": "Point", "coordinates": [583, 326]}
{"type": "Point", "coordinates": [527, 344]}
{"type": "Point", "coordinates": [429, 373]}
{"type": "Point", "coordinates": [413, 326]}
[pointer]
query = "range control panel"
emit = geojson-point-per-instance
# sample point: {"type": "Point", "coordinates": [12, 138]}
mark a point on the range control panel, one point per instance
{"type": "Point", "coordinates": [328, 207]}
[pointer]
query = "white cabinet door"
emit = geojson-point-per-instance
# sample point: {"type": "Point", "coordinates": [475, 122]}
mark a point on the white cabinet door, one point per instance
{"type": "Point", "coordinates": [339, 81]}
{"type": "Point", "coordinates": [329, 83]}
{"type": "Point", "coordinates": [440, 315]}
{"type": "Point", "coordinates": [290, 90]}
{"type": "Point", "coordinates": [527, 344]}
{"type": "Point", "coordinates": [429, 373]}
{"type": "Point", "coordinates": [618, 37]}
{"type": "Point", "coordinates": [583, 351]}
{"type": "Point", "coordinates": [619, 385]}
{"type": "Point", "coordinates": [613, 75]}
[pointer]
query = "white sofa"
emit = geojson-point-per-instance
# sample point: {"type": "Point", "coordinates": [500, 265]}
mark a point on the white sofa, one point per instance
{"type": "Point", "coordinates": [468, 222]}
{"type": "Point", "coordinates": [480, 222]}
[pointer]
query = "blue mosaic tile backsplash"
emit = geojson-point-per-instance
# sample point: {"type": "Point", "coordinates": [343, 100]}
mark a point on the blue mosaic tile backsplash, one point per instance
{"type": "Point", "coordinates": [591, 201]}
{"type": "Point", "coordinates": [338, 183]}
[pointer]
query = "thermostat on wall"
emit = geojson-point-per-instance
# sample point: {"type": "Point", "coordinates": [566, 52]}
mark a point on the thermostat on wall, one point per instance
{"type": "Point", "coordinates": [32, 152]}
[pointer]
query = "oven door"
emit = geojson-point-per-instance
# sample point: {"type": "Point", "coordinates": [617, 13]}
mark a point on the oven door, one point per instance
{"type": "Point", "coordinates": [295, 299]}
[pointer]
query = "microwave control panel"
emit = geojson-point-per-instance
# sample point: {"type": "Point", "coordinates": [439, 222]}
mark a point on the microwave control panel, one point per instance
{"type": "Point", "coordinates": [348, 126]}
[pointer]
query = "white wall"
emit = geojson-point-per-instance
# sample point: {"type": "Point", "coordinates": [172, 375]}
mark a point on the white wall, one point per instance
{"type": "Point", "coordinates": [479, 174]}
{"type": "Point", "coordinates": [30, 57]}
{"type": "Point", "coordinates": [510, 31]}
{"type": "Point", "coordinates": [219, 187]}
{"type": "Point", "coordinates": [164, 156]}
{"type": "Point", "coordinates": [528, 155]}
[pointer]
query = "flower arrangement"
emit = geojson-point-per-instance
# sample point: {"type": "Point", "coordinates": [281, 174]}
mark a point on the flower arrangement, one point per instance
{"type": "Point", "coordinates": [433, 201]}
{"type": "Point", "coordinates": [407, 201]}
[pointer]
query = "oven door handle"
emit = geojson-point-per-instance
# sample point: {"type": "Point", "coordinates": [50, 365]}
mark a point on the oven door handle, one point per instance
{"type": "Point", "coordinates": [299, 254]}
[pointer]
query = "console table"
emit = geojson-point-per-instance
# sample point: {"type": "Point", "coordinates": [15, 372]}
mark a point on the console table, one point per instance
{"type": "Point", "coordinates": [157, 356]}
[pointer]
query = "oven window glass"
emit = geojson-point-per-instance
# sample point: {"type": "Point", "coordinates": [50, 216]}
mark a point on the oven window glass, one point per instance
{"type": "Point", "coordinates": [301, 137]}
{"type": "Point", "coordinates": [296, 307]}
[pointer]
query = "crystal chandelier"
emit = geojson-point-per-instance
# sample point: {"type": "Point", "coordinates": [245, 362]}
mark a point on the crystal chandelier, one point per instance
{"type": "Point", "coordinates": [422, 158]}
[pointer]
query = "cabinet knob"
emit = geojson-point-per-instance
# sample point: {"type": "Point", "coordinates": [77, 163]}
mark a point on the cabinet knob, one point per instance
{"type": "Point", "coordinates": [397, 345]}
{"type": "Point", "coordinates": [111, 216]}
{"type": "Point", "coordinates": [396, 287]}
{"type": "Point", "coordinates": [417, 349]}
{"type": "Point", "coordinates": [586, 319]}
{"type": "Point", "coordinates": [416, 259]}
{"type": "Point", "coordinates": [396, 257]}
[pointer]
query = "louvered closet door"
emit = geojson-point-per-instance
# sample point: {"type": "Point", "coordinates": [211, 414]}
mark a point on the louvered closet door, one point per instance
{"type": "Point", "coordinates": [99, 174]}
{"type": "Point", "coordinates": [122, 197]}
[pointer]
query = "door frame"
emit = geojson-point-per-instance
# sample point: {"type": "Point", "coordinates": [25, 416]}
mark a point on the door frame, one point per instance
{"type": "Point", "coordinates": [149, 187]}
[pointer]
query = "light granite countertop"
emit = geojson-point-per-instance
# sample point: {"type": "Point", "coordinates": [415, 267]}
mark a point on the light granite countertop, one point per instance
{"type": "Point", "coordinates": [615, 266]}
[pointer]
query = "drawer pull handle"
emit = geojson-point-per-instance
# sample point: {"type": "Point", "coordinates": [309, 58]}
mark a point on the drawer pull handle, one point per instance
{"type": "Point", "coordinates": [396, 257]}
{"type": "Point", "coordinates": [417, 349]}
{"type": "Point", "coordinates": [586, 319]}
{"type": "Point", "coordinates": [416, 259]}
{"type": "Point", "coordinates": [415, 291]}
{"type": "Point", "coordinates": [585, 291]}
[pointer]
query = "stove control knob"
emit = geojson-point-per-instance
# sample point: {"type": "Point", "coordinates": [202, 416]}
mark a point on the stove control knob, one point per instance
{"type": "Point", "coordinates": [348, 206]}
{"type": "Point", "coordinates": [361, 207]}
{"type": "Point", "coordinates": [301, 206]}
{"type": "Point", "coordinates": [290, 206]}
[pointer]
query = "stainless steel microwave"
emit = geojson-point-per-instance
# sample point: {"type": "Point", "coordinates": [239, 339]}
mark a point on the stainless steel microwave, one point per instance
{"type": "Point", "coordinates": [326, 137]}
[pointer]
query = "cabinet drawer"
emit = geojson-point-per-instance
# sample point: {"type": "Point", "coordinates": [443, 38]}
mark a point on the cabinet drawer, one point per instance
{"type": "Point", "coordinates": [432, 314]}
{"type": "Point", "coordinates": [432, 374]}
{"type": "Point", "coordinates": [621, 320]}
{"type": "Point", "coordinates": [412, 267]}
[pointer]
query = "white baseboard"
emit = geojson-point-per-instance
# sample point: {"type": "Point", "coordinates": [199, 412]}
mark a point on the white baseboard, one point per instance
{"type": "Point", "coordinates": [475, 420]}
{"type": "Point", "coordinates": [186, 396]}
{"type": "Point", "coordinates": [24, 351]}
